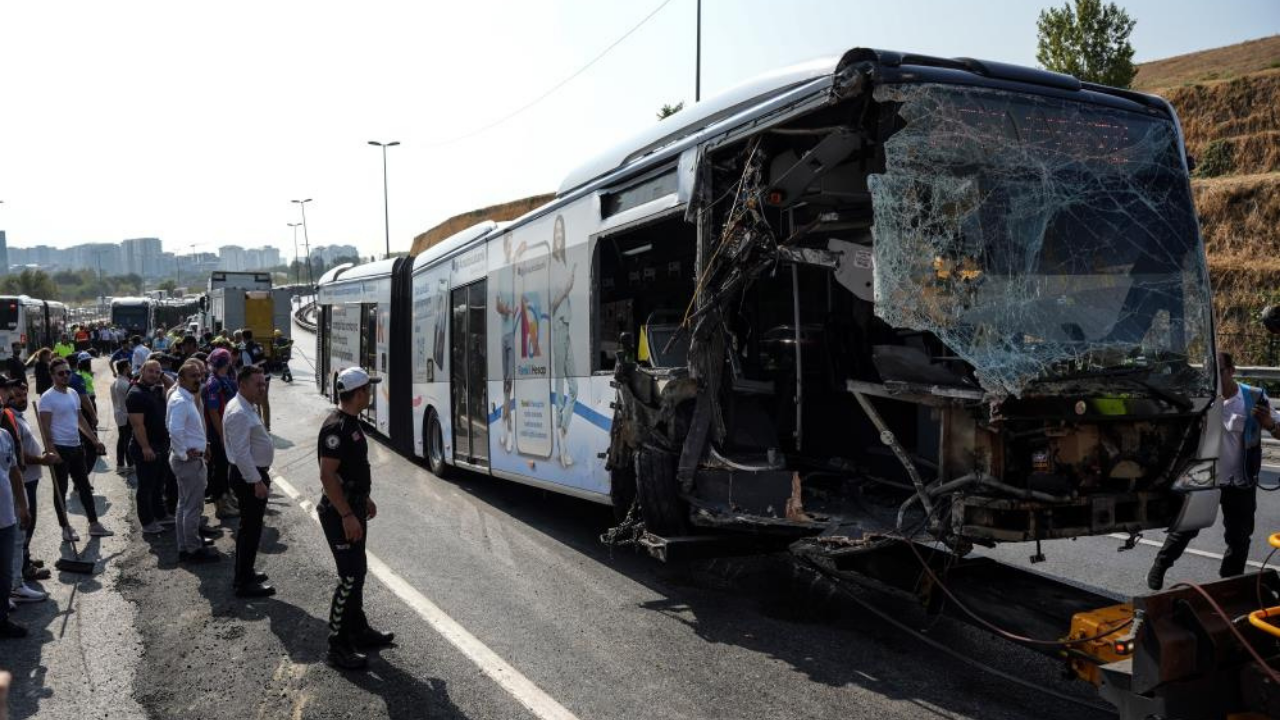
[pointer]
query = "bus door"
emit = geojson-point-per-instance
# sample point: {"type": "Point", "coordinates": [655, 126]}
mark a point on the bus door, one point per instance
{"type": "Point", "coordinates": [468, 368]}
{"type": "Point", "coordinates": [369, 354]}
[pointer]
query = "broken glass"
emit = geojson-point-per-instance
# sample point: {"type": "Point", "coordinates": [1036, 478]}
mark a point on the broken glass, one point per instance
{"type": "Point", "coordinates": [1040, 238]}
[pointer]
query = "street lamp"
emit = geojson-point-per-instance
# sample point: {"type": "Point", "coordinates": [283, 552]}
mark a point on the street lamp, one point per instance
{"type": "Point", "coordinates": [297, 266]}
{"type": "Point", "coordinates": [302, 205]}
{"type": "Point", "coordinates": [385, 215]}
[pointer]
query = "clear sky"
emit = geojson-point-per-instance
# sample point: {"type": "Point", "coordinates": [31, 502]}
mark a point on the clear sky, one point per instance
{"type": "Point", "coordinates": [198, 123]}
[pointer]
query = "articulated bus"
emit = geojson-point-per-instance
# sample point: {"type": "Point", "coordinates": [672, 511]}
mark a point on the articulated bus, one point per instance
{"type": "Point", "coordinates": [890, 294]}
{"type": "Point", "coordinates": [31, 323]}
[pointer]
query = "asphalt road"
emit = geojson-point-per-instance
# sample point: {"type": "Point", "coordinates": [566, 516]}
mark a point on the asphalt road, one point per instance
{"type": "Point", "coordinates": [506, 604]}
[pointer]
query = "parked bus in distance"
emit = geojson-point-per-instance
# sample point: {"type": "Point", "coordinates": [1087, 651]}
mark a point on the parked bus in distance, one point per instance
{"type": "Point", "coordinates": [31, 323]}
{"type": "Point", "coordinates": [135, 315]}
{"type": "Point", "coordinates": [878, 296]}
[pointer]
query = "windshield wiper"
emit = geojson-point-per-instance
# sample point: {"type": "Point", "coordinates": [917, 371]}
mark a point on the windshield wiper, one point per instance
{"type": "Point", "coordinates": [1130, 375]}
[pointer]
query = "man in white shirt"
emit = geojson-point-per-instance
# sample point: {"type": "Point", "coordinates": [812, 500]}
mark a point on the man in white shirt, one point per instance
{"type": "Point", "coordinates": [140, 354]}
{"type": "Point", "coordinates": [1245, 413]}
{"type": "Point", "coordinates": [188, 445]}
{"type": "Point", "coordinates": [250, 454]}
{"type": "Point", "coordinates": [61, 425]}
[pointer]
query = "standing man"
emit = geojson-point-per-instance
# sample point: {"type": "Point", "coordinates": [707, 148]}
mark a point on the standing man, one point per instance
{"type": "Point", "coordinates": [14, 518]}
{"type": "Point", "coordinates": [140, 354]}
{"type": "Point", "coordinates": [345, 511]}
{"type": "Point", "coordinates": [63, 347]}
{"type": "Point", "coordinates": [254, 354]}
{"type": "Point", "coordinates": [15, 368]}
{"type": "Point", "coordinates": [124, 353]}
{"type": "Point", "coordinates": [1245, 413]}
{"type": "Point", "coordinates": [187, 450]}
{"type": "Point", "coordinates": [61, 426]}
{"type": "Point", "coordinates": [217, 392]}
{"type": "Point", "coordinates": [250, 454]}
{"type": "Point", "coordinates": [149, 446]}
{"type": "Point", "coordinates": [31, 457]}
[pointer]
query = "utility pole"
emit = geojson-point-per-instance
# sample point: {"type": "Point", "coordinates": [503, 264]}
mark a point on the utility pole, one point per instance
{"type": "Point", "coordinates": [302, 205]}
{"type": "Point", "coordinates": [385, 214]}
{"type": "Point", "coordinates": [297, 265]}
{"type": "Point", "coordinates": [697, 63]}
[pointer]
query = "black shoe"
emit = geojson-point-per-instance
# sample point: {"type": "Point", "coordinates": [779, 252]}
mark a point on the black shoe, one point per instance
{"type": "Point", "coordinates": [37, 563]}
{"type": "Point", "coordinates": [255, 590]}
{"type": "Point", "coordinates": [260, 577]}
{"type": "Point", "coordinates": [208, 532]}
{"type": "Point", "coordinates": [203, 555]}
{"type": "Point", "coordinates": [207, 542]}
{"type": "Point", "coordinates": [1155, 577]}
{"type": "Point", "coordinates": [9, 631]}
{"type": "Point", "coordinates": [34, 572]}
{"type": "Point", "coordinates": [346, 657]}
{"type": "Point", "coordinates": [371, 638]}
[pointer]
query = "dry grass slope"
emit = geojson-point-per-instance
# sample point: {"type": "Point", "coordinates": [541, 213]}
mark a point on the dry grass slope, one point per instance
{"type": "Point", "coordinates": [1228, 100]}
{"type": "Point", "coordinates": [497, 213]}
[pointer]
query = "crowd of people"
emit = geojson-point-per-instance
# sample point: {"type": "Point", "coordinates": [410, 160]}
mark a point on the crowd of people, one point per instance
{"type": "Point", "coordinates": [193, 421]}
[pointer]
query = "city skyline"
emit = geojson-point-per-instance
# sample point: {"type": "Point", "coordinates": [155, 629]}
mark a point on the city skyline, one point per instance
{"type": "Point", "coordinates": [146, 258]}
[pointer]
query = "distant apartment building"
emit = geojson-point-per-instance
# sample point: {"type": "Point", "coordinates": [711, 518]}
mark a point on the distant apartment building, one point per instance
{"type": "Point", "coordinates": [234, 258]}
{"type": "Point", "coordinates": [327, 254]}
{"type": "Point", "coordinates": [142, 256]}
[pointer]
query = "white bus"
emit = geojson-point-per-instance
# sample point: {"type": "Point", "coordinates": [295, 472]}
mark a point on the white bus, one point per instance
{"type": "Point", "coordinates": [893, 292]}
{"type": "Point", "coordinates": [135, 315]}
{"type": "Point", "coordinates": [31, 323]}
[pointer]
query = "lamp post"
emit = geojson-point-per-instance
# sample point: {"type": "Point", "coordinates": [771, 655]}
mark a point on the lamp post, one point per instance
{"type": "Point", "coordinates": [297, 267]}
{"type": "Point", "coordinates": [306, 239]}
{"type": "Point", "coordinates": [386, 216]}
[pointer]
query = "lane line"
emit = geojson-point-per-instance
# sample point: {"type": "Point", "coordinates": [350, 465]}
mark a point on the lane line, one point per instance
{"type": "Point", "coordinates": [1193, 551]}
{"type": "Point", "coordinates": [519, 687]}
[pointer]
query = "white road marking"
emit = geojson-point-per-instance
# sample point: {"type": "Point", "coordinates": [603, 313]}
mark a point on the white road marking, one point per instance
{"type": "Point", "coordinates": [500, 671]}
{"type": "Point", "coordinates": [1193, 551]}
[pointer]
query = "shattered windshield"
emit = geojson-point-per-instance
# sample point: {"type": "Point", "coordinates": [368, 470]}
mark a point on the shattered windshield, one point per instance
{"type": "Point", "coordinates": [1040, 239]}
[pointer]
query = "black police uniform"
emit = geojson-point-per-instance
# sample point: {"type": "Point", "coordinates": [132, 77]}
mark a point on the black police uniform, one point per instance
{"type": "Point", "coordinates": [342, 438]}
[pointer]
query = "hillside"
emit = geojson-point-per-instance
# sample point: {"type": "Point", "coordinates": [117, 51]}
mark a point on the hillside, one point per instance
{"type": "Point", "coordinates": [497, 213]}
{"type": "Point", "coordinates": [1228, 100]}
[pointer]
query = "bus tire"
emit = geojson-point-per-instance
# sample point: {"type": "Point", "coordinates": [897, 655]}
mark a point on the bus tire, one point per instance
{"type": "Point", "coordinates": [658, 491]}
{"type": "Point", "coordinates": [433, 446]}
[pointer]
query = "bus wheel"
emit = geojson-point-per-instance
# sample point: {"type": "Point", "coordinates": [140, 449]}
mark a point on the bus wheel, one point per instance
{"type": "Point", "coordinates": [664, 512]}
{"type": "Point", "coordinates": [434, 441]}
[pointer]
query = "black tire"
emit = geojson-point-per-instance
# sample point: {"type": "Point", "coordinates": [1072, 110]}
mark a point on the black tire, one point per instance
{"type": "Point", "coordinates": [433, 446]}
{"type": "Point", "coordinates": [664, 512]}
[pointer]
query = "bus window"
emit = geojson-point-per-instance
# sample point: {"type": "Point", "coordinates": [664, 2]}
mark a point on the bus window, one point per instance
{"type": "Point", "coordinates": [645, 273]}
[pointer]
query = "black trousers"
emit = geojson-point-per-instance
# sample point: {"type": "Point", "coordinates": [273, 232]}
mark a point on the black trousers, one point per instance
{"type": "Point", "coordinates": [346, 610]}
{"type": "Point", "coordinates": [150, 483]}
{"type": "Point", "coordinates": [122, 445]}
{"type": "Point", "coordinates": [252, 511]}
{"type": "Point", "coordinates": [73, 466]}
{"type": "Point", "coordinates": [31, 488]}
{"type": "Point", "coordinates": [1238, 507]}
{"type": "Point", "coordinates": [218, 468]}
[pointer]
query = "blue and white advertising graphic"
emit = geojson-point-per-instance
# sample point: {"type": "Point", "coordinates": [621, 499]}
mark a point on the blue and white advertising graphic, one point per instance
{"type": "Point", "coordinates": [544, 420]}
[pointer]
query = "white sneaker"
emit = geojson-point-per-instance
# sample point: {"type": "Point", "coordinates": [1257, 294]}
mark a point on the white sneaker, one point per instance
{"type": "Point", "coordinates": [98, 530]}
{"type": "Point", "coordinates": [154, 528]}
{"type": "Point", "coordinates": [167, 520]}
{"type": "Point", "coordinates": [27, 594]}
{"type": "Point", "coordinates": [69, 535]}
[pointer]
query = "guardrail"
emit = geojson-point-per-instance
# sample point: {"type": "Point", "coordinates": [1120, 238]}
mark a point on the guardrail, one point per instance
{"type": "Point", "coordinates": [305, 316]}
{"type": "Point", "coordinates": [1269, 374]}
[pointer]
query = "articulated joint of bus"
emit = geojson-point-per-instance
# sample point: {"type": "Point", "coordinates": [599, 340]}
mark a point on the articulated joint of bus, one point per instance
{"type": "Point", "coordinates": [934, 311]}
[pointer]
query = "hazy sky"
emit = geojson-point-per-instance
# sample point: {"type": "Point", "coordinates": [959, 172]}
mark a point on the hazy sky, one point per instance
{"type": "Point", "coordinates": [198, 124]}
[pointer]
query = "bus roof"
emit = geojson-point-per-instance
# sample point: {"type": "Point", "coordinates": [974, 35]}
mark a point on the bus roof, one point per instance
{"type": "Point", "coordinates": [455, 242]}
{"type": "Point", "coordinates": [380, 268]}
{"type": "Point", "coordinates": [127, 301]}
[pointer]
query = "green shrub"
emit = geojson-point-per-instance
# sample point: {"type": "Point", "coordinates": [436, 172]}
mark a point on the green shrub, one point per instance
{"type": "Point", "coordinates": [1217, 159]}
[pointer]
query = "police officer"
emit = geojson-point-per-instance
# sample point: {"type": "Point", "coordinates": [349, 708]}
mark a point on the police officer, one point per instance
{"type": "Point", "coordinates": [344, 512]}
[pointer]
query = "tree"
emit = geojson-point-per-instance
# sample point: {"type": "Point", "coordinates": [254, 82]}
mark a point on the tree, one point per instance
{"type": "Point", "coordinates": [168, 286]}
{"type": "Point", "coordinates": [669, 110]}
{"type": "Point", "coordinates": [1089, 41]}
{"type": "Point", "coordinates": [35, 283]}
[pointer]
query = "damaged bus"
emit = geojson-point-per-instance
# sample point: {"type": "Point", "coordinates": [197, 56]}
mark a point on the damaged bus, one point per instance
{"type": "Point", "coordinates": [877, 297]}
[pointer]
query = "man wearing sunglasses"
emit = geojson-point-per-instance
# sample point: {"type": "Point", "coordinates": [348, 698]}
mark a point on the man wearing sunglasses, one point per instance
{"type": "Point", "coordinates": [61, 425]}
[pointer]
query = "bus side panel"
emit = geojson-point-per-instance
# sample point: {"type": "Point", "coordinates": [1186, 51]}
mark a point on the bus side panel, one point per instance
{"type": "Point", "coordinates": [430, 347]}
{"type": "Point", "coordinates": [539, 347]}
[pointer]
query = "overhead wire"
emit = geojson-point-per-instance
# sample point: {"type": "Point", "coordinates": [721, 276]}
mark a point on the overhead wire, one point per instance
{"type": "Point", "coordinates": [485, 128]}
